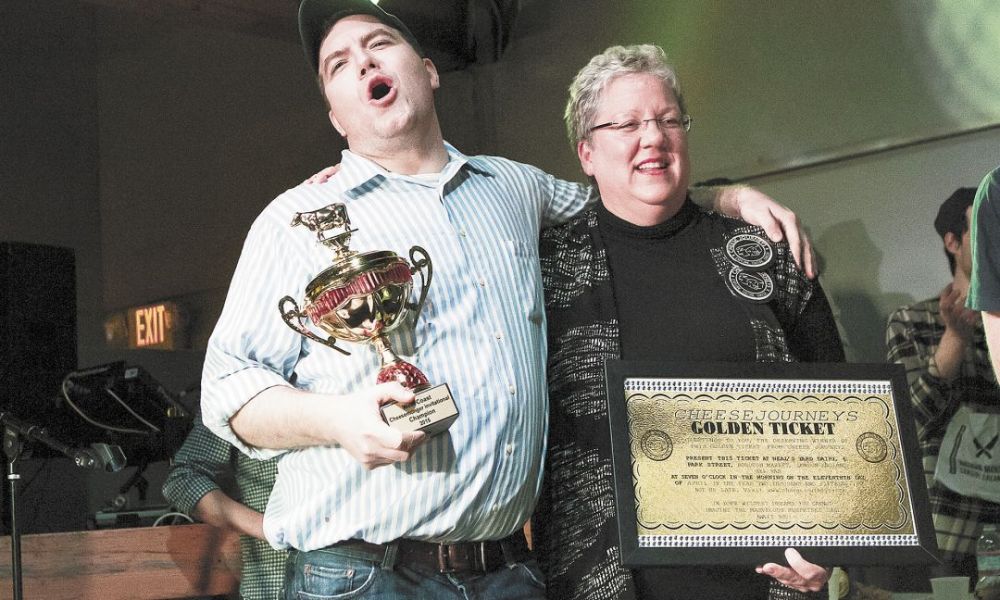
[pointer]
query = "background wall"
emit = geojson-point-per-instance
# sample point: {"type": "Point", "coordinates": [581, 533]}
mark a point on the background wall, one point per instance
{"type": "Point", "coordinates": [49, 157]}
{"type": "Point", "coordinates": [148, 144]}
{"type": "Point", "coordinates": [907, 87]}
{"type": "Point", "coordinates": [871, 220]}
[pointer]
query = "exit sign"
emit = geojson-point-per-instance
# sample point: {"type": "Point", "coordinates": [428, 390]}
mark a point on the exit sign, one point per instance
{"type": "Point", "coordinates": [156, 326]}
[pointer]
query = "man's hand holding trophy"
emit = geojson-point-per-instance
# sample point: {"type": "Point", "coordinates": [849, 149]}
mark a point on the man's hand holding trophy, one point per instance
{"type": "Point", "coordinates": [361, 298]}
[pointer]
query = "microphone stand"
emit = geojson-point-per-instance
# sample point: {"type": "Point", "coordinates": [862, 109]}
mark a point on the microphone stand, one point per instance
{"type": "Point", "coordinates": [12, 446]}
{"type": "Point", "coordinates": [15, 432]}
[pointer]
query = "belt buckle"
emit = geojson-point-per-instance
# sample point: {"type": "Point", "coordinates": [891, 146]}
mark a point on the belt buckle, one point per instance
{"type": "Point", "coordinates": [444, 559]}
{"type": "Point", "coordinates": [446, 554]}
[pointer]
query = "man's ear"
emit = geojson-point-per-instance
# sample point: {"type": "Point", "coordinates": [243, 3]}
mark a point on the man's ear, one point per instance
{"type": "Point", "coordinates": [952, 243]}
{"type": "Point", "coordinates": [336, 124]}
{"type": "Point", "coordinates": [584, 152]}
{"type": "Point", "coordinates": [433, 73]}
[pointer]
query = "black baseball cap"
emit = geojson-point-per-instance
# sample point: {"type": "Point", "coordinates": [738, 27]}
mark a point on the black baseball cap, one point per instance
{"type": "Point", "coordinates": [951, 215]}
{"type": "Point", "coordinates": [316, 17]}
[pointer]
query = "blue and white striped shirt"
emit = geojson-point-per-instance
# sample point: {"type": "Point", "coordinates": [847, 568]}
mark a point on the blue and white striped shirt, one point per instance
{"type": "Point", "coordinates": [482, 331]}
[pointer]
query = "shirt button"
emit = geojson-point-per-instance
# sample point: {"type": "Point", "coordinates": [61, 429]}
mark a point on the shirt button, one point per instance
{"type": "Point", "coordinates": [512, 389]}
{"type": "Point", "coordinates": [461, 232]}
{"type": "Point", "coordinates": [509, 449]}
{"type": "Point", "coordinates": [482, 282]}
{"type": "Point", "coordinates": [498, 335]}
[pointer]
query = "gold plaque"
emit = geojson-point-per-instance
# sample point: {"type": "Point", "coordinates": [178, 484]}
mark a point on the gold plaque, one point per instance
{"type": "Point", "coordinates": [735, 463]}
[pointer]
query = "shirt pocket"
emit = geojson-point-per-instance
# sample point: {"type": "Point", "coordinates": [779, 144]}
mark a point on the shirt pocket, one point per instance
{"type": "Point", "coordinates": [520, 260]}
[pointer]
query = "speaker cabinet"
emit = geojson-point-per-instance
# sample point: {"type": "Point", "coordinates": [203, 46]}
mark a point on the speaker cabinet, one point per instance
{"type": "Point", "coordinates": [37, 330]}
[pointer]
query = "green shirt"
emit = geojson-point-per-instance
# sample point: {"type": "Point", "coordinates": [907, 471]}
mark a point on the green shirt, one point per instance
{"type": "Point", "coordinates": [984, 290]}
{"type": "Point", "coordinates": [204, 463]}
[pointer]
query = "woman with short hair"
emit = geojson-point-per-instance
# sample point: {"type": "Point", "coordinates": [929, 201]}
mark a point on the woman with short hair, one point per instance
{"type": "Point", "coordinates": [645, 275]}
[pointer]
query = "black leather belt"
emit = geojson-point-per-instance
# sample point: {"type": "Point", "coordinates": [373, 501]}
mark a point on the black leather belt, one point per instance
{"type": "Point", "coordinates": [461, 557]}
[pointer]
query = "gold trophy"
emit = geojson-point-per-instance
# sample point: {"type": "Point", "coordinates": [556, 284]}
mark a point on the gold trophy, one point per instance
{"type": "Point", "coordinates": [361, 298]}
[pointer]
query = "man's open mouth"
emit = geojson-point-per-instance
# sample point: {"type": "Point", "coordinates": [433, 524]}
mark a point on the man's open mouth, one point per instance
{"type": "Point", "coordinates": [379, 87]}
{"type": "Point", "coordinates": [380, 91]}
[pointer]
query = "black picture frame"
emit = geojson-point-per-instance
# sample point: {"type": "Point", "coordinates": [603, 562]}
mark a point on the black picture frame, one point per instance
{"type": "Point", "coordinates": [636, 555]}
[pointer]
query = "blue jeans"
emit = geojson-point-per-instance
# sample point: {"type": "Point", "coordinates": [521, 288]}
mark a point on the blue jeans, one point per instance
{"type": "Point", "coordinates": [335, 574]}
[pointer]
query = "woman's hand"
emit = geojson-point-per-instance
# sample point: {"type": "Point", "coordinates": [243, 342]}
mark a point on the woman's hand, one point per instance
{"type": "Point", "coordinates": [800, 574]}
{"type": "Point", "coordinates": [324, 175]}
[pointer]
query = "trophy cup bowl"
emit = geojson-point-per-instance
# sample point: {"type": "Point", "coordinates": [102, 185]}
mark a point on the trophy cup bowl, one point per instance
{"type": "Point", "coordinates": [361, 298]}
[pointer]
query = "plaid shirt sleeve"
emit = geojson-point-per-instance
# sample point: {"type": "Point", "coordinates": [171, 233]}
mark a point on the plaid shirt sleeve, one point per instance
{"type": "Point", "coordinates": [197, 468]}
{"type": "Point", "coordinates": [912, 338]}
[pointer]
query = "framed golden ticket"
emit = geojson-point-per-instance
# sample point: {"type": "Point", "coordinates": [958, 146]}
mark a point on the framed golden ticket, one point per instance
{"type": "Point", "coordinates": [731, 463]}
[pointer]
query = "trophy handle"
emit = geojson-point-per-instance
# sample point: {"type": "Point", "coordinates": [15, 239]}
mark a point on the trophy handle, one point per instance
{"type": "Point", "coordinates": [420, 260]}
{"type": "Point", "coordinates": [293, 318]}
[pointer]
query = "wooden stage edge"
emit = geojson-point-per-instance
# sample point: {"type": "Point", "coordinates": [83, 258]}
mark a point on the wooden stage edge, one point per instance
{"type": "Point", "coordinates": [176, 561]}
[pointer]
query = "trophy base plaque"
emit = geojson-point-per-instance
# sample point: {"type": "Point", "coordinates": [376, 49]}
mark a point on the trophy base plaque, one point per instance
{"type": "Point", "coordinates": [433, 411]}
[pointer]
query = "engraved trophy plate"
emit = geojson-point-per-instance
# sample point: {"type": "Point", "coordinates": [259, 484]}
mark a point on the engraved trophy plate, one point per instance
{"type": "Point", "coordinates": [433, 411]}
{"type": "Point", "coordinates": [733, 463]}
{"type": "Point", "coordinates": [361, 298]}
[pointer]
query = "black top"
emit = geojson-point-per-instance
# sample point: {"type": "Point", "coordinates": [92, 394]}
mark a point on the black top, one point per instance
{"type": "Point", "coordinates": [672, 305]}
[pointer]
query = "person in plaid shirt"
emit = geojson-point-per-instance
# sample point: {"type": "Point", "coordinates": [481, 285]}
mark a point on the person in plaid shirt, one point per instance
{"type": "Point", "coordinates": [943, 348]}
{"type": "Point", "coordinates": [194, 485]}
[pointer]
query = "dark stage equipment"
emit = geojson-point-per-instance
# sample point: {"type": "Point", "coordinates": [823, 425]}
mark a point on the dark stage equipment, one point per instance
{"type": "Point", "coordinates": [123, 405]}
{"type": "Point", "coordinates": [17, 435]}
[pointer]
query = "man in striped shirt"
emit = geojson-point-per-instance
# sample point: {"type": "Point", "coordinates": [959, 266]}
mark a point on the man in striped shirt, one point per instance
{"type": "Point", "coordinates": [943, 348]}
{"type": "Point", "coordinates": [366, 508]}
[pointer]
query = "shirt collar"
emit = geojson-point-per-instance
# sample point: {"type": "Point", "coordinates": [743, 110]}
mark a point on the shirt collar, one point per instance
{"type": "Point", "coordinates": [359, 175]}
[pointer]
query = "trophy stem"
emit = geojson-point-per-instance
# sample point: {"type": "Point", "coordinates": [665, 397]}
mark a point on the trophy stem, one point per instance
{"type": "Point", "coordinates": [384, 350]}
{"type": "Point", "coordinates": [398, 370]}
